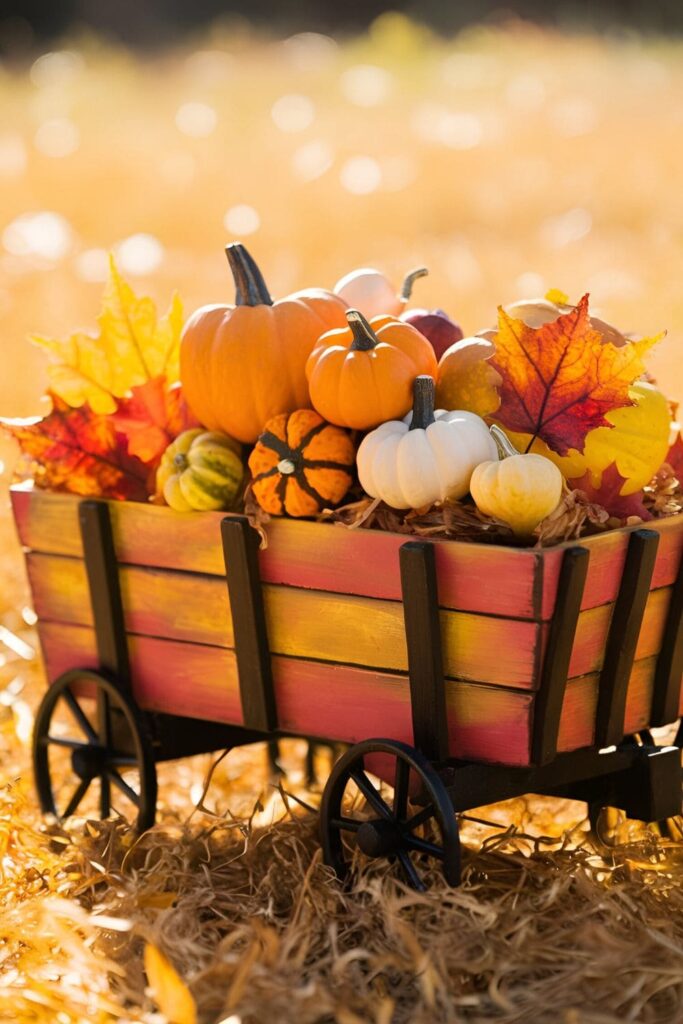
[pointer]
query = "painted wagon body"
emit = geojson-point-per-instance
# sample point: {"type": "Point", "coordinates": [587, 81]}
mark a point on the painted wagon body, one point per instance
{"type": "Point", "coordinates": [470, 652]}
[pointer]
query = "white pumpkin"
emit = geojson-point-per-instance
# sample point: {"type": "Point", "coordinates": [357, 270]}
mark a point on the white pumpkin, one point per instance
{"type": "Point", "coordinates": [369, 291]}
{"type": "Point", "coordinates": [432, 459]}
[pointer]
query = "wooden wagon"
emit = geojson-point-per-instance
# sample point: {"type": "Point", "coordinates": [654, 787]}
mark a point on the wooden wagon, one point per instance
{"type": "Point", "coordinates": [460, 673]}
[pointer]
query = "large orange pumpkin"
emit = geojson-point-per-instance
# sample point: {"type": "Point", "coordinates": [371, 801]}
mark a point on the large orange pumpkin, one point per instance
{"type": "Point", "coordinates": [363, 376]}
{"type": "Point", "coordinates": [300, 464]}
{"type": "Point", "coordinates": [240, 365]}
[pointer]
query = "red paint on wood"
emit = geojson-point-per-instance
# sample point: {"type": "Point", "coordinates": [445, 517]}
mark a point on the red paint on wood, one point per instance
{"type": "Point", "coordinates": [177, 678]}
{"type": "Point", "coordinates": [608, 551]}
{"type": "Point", "coordinates": [476, 578]}
{"type": "Point", "coordinates": [577, 721]}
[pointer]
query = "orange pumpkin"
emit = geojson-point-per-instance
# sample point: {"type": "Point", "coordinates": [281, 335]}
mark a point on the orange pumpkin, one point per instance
{"type": "Point", "coordinates": [301, 464]}
{"type": "Point", "coordinates": [363, 375]}
{"type": "Point", "coordinates": [242, 364]}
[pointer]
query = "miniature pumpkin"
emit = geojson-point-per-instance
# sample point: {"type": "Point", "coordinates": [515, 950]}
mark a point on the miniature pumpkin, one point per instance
{"type": "Point", "coordinates": [200, 470]}
{"type": "Point", "coordinates": [242, 364]}
{"type": "Point", "coordinates": [301, 464]}
{"type": "Point", "coordinates": [521, 490]}
{"type": "Point", "coordinates": [430, 459]}
{"type": "Point", "coordinates": [638, 441]}
{"type": "Point", "coordinates": [363, 375]}
{"type": "Point", "coordinates": [369, 291]}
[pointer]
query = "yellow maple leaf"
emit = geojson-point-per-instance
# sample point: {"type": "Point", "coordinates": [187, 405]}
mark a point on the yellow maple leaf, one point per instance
{"type": "Point", "coordinates": [168, 990]}
{"type": "Point", "coordinates": [133, 346]}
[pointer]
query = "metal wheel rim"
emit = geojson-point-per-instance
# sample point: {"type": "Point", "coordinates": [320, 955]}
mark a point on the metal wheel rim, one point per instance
{"type": "Point", "coordinates": [108, 695]}
{"type": "Point", "coordinates": [442, 811]}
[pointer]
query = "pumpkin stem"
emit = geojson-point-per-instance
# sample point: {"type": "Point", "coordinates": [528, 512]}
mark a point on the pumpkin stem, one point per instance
{"type": "Point", "coordinates": [423, 402]}
{"type": "Point", "coordinates": [180, 461]}
{"type": "Point", "coordinates": [409, 280]}
{"type": "Point", "coordinates": [250, 288]}
{"type": "Point", "coordinates": [503, 443]}
{"type": "Point", "coordinates": [364, 338]}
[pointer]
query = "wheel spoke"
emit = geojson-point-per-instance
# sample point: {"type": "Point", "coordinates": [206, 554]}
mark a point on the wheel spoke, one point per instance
{"type": "Point", "coordinates": [80, 716]}
{"type": "Point", "coordinates": [423, 846]}
{"type": "Point", "coordinates": [123, 786]}
{"type": "Point", "coordinates": [122, 760]}
{"type": "Point", "coordinates": [105, 796]}
{"type": "Point", "coordinates": [346, 824]}
{"type": "Point", "coordinates": [370, 793]}
{"type": "Point", "coordinates": [62, 741]}
{"type": "Point", "coordinates": [104, 718]}
{"type": "Point", "coordinates": [412, 877]}
{"type": "Point", "coordinates": [420, 818]}
{"type": "Point", "coordinates": [78, 794]}
{"type": "Point", "coordinates": [401, 787]}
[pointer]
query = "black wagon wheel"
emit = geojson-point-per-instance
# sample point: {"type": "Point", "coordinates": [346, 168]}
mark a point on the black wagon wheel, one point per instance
{"type": "Point", "coordinates": [388, 828]}
{"type": "Point", "coordinates": [111, 745]}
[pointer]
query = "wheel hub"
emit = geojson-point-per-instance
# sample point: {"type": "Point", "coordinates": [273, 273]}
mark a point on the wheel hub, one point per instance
{"type": "Point", "coordinates": [89, 761]}
{"type": "Point", "coordinates": [379, 838]}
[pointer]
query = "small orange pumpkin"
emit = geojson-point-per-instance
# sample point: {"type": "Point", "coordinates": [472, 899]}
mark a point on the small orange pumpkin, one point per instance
{"type": "Point", "coordinates": [301, 464]}
{"type": "Point", "coordinates": [242, 364]}
{"type": "Point", "coordinates": [363, 375]}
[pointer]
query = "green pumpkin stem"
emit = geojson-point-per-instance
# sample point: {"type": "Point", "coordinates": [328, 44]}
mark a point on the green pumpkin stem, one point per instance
{"type": "Point", "coordinates": [503, 443]}
{"type": "Point", "coordinates": [250, 288]}
{"type": "Point", "coordinates": [409, 280]}
{"type": "Point", "coordinates": [364, 338]}
{"type": "Point", "coordinates": [423, 402]}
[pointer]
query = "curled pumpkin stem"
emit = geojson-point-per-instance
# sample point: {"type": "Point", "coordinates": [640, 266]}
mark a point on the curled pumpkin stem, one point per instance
{"type": "Point", "coordinates": [503, 443]}
{"type": "Point", "coordinates": [250, 287]}
{"type": "Point", "coordinates": [409, 280]}
{"type": "Point", "coordinates": [364, 338]}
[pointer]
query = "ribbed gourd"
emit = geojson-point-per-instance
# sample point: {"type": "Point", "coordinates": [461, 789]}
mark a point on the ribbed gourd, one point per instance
{"type": "Point", "coordinates": [201, 471]}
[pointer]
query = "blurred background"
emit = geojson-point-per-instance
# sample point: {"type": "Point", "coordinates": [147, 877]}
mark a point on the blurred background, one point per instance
{"type": "Point", "coordinates": [510, 148]}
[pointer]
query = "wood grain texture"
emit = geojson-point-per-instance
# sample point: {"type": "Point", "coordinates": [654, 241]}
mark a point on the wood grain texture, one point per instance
{"type": "Point", "coordinates": [300, 623]}
{"type": "Point", "coordinates": [330, 701]}
{"type": "Point", "coordinates": [607, 554]}
{"type": "Point", "coordinates": [340, 701]}
{"type": "Point", "coordinates": [472, 577]}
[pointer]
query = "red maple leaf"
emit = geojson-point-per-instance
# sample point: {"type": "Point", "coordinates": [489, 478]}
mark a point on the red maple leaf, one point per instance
{"type": "Point", "coordinates": [79, 451]}
{"type": "Point", "coordinates": [675, 456]}
{"type": "Point", "coordinates": [151, 418]}
{"type": "Point", "coordinates": [560, 379]}
{"type": "Point", "coordinates": [608, 495]}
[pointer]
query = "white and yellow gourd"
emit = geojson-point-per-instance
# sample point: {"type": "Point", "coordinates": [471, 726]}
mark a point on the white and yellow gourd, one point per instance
{"type": "Point", "coordinates": [520, 490]}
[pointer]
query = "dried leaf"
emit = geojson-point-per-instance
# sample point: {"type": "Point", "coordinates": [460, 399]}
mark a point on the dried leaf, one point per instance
{"type": "Point", "coordinates": [169, 991]}
{"type": "Point", "coordinates": [560, 379]}
{"type": "Point", "coordinates": [674, 457]}
{"type": "Point", "coordinates": [466, 379]}
{"type": "Point", "coordinates": [153, 417]}
{"type": "Point", "coordinates": [78, 451]}
{"type": "Point", "coordinates": [132, 347]}
{"type": "Point", "coordinates": [608, 494]}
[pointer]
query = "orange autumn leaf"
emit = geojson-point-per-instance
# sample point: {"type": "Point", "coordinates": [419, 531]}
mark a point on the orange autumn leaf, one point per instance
{"type": "Point", "coordinates": [152, 418]}
{"type": "Point", "coordinates": [560, 379]}
{"type": "Point", "coordinates": [608, 494]}
{"type": "Point", "coordinates": [79, 451]}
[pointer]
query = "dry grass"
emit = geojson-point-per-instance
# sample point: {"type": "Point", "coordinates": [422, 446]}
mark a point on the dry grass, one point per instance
{"type": "Point", "coordinates": [509, 161]}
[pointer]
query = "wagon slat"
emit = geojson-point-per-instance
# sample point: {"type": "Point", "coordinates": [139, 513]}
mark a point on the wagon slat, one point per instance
{"type": "Point", "coordinates": [622, 639]}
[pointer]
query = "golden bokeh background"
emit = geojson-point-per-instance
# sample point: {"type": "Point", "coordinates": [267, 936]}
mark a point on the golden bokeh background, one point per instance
{"type": "Point", "coordinates": [508, 159]}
